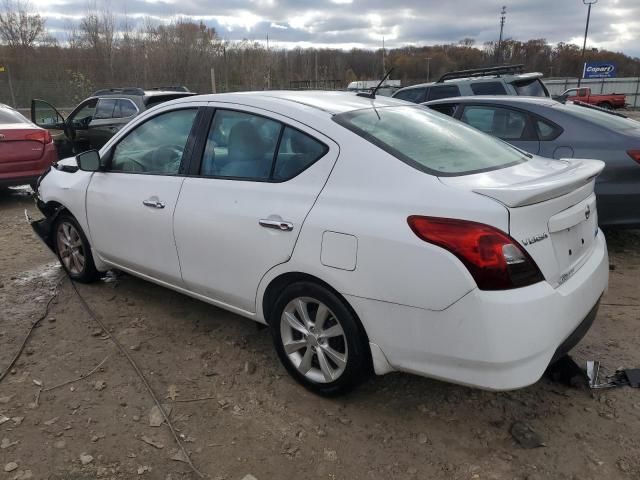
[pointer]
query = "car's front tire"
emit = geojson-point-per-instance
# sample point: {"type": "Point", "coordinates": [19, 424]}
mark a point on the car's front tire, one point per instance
{"type": "Point", "coordinates": [73, 250]}
{"type": "Point", "coordinates": [319, 340]}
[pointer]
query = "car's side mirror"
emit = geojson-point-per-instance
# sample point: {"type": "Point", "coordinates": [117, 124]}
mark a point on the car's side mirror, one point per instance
{"type": "Point", "coordinates": [89, 161]}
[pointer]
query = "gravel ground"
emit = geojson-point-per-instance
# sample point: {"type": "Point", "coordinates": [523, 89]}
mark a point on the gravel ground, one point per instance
{"type": "Point", "coordinates": [240, 414]}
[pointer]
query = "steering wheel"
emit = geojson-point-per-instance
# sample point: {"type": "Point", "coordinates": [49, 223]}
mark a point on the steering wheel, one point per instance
{"type": "Point", "coordinates": [129, 164]}
{"type": "Point", "coordinates": [167, 158]}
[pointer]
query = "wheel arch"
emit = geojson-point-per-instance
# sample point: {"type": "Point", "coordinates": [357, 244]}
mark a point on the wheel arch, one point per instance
{"type": "Point", "coordinates": [281, 281]}
{"type": "Point", "coordinates": [52, 209]}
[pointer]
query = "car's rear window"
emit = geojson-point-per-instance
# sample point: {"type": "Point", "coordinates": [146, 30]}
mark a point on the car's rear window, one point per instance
{"type": "Point", "coordinates": [429, 141]}
{"type": "Point", "coordinates": [154, 100]}
{"type": "Point", "coordinates": [414, 95]}
{"type": "Point", "coordinates": [11, 116]}
{"type": "Point", "coordinates": [530, 88]}
{"type": "Point", "coordinates": [603, 119]}
{"type": "Point", "coordinates": [488, 88]}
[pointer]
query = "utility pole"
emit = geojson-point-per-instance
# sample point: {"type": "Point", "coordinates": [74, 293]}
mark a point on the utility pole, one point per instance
{"type": "Point", "coordinates": [316, 68]}
{"type": "Point", "coordinates": [5, 69]}
{"type": "Point", "coordinates": [269, 65]}
{"type": "Point", "coordinates": [226, 68]}
{"type": "Point", "coordinates": [384, 67]}
{"type": "Point", "coordinates": [428, 59]}
{"type": "Point", "coordinates": [586, 31]}
{"type": "Point", "coordinates": [213, 80]}
{"type": "Point", "coordinates": [503, 17]}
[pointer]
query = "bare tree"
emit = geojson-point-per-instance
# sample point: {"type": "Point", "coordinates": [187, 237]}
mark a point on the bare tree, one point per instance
{"type": "Point", "coordinates": [19, 27]}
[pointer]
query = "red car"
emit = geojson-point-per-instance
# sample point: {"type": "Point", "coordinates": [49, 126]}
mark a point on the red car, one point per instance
{"type": "Point", "coordinates": [26, 150]}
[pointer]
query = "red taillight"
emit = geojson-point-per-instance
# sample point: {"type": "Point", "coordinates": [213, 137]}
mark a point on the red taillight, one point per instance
{"type": "Point", "coordinates": [494, 259]}
{"type": "Point", "coordinates": [635, 154]}
{"type": "Point", "coordinates": [42, 136]}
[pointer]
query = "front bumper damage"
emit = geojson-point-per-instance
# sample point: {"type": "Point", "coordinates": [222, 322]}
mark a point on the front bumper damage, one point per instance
{"type": "Point", "coordinates": [44, 227]}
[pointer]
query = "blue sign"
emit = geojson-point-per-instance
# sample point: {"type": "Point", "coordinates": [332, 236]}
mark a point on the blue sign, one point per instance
{"type": "Point", "coordinates": [599, 70]}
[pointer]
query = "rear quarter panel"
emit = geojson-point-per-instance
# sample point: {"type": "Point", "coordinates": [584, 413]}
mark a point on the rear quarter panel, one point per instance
{"type": "Point", "coordinates": [369, 196]}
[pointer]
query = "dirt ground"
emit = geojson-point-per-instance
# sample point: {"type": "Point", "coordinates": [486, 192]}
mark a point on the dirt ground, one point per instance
{"type": "Point", "coordinates": [257, 421]}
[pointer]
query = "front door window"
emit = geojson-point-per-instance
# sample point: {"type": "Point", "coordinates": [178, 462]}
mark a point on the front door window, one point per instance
{"type": "Point", "coordinates": [156, 146]}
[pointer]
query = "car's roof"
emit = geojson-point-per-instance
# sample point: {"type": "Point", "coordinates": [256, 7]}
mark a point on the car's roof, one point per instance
{"type": "Point", "coordinates": [331, 102]}
{"type": "Point", "coordinates": [154, 93]}
{"type": "Point", "coordinates": [501, 99]}
{"type": "Point", "coordinates": [140, 92]}
{"type": "Point", "coordinates": [488, 78]}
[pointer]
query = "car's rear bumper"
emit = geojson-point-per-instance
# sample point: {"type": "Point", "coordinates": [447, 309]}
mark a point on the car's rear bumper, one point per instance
{"type": "Point", "coordinates": [497, 340]}
{"type": "Point", "coordinates": [28, 172]}
{"type": "Point", "coordinates": [14, 181]}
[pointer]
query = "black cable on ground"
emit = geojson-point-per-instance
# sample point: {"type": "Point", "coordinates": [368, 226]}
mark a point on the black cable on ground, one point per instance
{"type": "Point", "coordinates": [26, 338]}
{"type": "Point", "coordinates": [123, 350]}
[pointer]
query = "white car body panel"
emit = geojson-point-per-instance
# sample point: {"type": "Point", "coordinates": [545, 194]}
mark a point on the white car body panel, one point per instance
{"type": "Point", "coordinates": [216, 224]}
{"type": "Point", "coordinates": [419, 305]}
{"type": "Point", "coordinates": [127, 232]}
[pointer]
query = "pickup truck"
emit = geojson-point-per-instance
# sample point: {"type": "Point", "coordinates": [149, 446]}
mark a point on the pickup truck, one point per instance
{"type": "Point", "coordinates": [609, 101]}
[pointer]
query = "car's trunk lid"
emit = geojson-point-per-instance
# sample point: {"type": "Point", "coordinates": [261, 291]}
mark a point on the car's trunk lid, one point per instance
{"type": "Point", "coordinates": [552, 209]}
{"type": "Point", "coordinates": [18, 143]}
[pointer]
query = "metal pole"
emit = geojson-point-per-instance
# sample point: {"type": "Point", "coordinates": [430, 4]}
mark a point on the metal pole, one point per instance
{"type": "Point", "coordinates": [635, 99]}
{"type": "Point", "coordinates": [13, 97]}
{"type": "Point", "coordinates": [584, 45]}
{"type": "Point", "coordinates": [213, 80]}
{"type": "Point", "coordinates": [316, 68]}
{"type": "Point", "coordinates": [503, 14]}
{"type": "Point", "coordinates": [428, 69]}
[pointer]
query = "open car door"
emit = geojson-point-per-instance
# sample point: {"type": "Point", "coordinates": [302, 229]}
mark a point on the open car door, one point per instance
{"type": "Point", "coordinates": [47, 116]}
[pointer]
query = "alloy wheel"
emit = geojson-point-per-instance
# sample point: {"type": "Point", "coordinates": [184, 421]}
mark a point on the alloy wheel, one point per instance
{"type": "Point", "coordinates": [313, 340]}
{"type": "Point", "coordinates": [70, 248]}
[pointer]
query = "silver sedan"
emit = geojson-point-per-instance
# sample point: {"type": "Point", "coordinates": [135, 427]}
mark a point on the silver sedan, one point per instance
{"type": "Point", "coordinates": [555, 130]}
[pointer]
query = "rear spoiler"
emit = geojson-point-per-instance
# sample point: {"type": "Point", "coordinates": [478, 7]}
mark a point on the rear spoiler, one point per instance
{"type": "Point", "coordinates": [577, 174]}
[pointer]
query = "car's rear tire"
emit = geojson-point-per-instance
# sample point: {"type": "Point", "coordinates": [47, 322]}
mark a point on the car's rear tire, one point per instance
{"type": "Point", "coordinates": [73, 250]}
{"type": "Point", "coordinates": [319, 340]}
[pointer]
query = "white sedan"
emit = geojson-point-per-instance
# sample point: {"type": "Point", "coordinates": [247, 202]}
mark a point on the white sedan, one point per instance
{"type": "Point", "coordinates": [368, 233]}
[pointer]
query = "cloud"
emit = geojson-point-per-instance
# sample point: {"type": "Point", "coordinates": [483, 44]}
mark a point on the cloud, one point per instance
{"type": "Point", "coordinates": [614, 23]}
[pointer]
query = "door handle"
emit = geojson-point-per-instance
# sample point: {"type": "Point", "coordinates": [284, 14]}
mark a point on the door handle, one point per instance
{"type": "Point", "coordinates": [276, 224]}
{"type": "Point", "coordinates": [153, 202]}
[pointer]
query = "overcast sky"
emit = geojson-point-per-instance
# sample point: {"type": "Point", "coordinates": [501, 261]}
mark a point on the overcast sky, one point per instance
{"type": "Point", "coordinates": [615, 24]}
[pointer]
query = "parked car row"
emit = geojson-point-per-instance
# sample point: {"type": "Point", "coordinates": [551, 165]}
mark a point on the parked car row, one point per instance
{"type": "Point", "coordinates": [371, 234]}
{"type": "Point", "coordinates": [95, 120]}
{"type": "Point", "coordinates": [28, 148]}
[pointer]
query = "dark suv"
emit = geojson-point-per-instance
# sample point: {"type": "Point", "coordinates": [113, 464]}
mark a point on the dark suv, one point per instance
{"type": "Point", "coordinates": [95, 120]}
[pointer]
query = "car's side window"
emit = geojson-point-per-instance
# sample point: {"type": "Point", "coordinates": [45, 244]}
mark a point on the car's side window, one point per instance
{"type": "Point", "coordinates": [546, 131]}
{"type": "Point", "coordinates": [488, 88]}
{"type": "Point", "coordinates": [499, 122]}
{"type": "Point", "coordinates": [81, 118]}
{"type": "Point", "coordinates": [446, 108]}
{"type": "Point", "coordinates": [297, 152]}
{"type": "Point", "coordinates": [443, 91]}
{"type": "Point", "coordinates": [105, 108]}
{"type": "Point", "coordinates": [240, 145]}
{"type": "Point", "coordinates": [415, 95]}
{"type": "Point", "coordinates": [155, 146]}
{"type": "Point", "coordinates": [125, 108]}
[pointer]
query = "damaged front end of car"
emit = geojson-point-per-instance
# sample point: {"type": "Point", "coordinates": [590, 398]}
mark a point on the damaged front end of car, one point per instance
{"type": "Point", "coordinates": [44, 226]}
